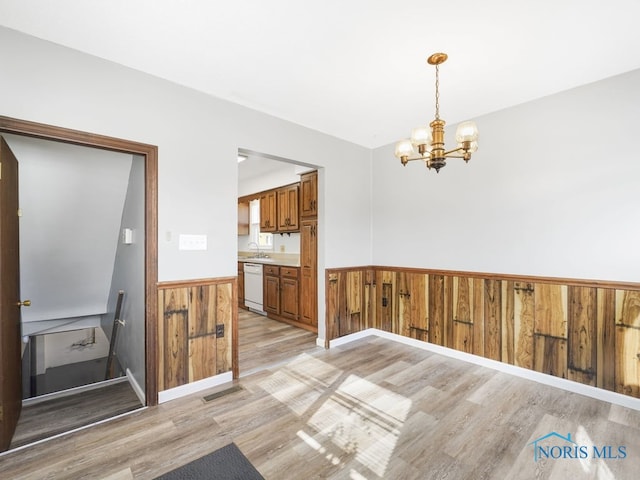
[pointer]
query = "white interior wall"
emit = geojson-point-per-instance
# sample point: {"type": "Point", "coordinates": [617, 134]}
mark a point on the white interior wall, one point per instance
{"type": "Point", "coordinates": [198, 139]}
{"type": "Point", "coordinates": [128, 275]}
{"type": "Point", "coordinates": [552, 191]}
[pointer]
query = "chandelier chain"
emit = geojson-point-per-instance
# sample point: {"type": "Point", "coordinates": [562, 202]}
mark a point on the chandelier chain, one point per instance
{"type": "Point", "coordinates": [437, 92]}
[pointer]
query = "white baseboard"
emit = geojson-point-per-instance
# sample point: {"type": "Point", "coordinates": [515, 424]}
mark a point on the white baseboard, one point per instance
{"type": "Point", "coordinates": [183, 390]}
{"type": "Point", "coordinates": [320, 342]}
{"type": "Point", "coordinates": [562, 383]}
{"type": "Point", "coordinates": [136, 387]}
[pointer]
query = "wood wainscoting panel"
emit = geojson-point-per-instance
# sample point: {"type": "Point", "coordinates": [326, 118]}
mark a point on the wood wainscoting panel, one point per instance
{"type": "Point", "coordinates": [191, 314]}
{"type": "Point", "coordinates": [173, 306]}
{"type": "Point", "coordinates": [463, 292]}
{"type": "Point", "coordinates": [508, 322]}
{"type": "Point", "coordinates": [224, 317]}
{"type": "Point", "coordinates": [606, 339]}
{"type": "Point", "coordinates": [492, 319]}
{"type": "Point", "coordinates": [583, 330]}
{"type": "Point", "coordinates": [524, 314]}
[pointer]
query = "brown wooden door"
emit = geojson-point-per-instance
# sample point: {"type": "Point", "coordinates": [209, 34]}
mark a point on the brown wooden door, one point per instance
{"type": "Point", "coordinates": [10, 368]}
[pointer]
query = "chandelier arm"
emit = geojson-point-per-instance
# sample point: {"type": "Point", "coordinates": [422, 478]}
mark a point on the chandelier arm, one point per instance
{"type": "Point", "coordinates": [413, 159]}
{"type": "Point", "coordinates": [446, 154]}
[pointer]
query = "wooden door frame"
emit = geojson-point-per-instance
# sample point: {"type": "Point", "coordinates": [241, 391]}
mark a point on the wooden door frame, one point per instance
{"type": "Point", "coordinates": [150, 154]}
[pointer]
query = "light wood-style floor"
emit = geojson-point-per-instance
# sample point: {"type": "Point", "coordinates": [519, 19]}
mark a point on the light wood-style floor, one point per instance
{"type": "Point", "coordinates": [263, 342]}
{"type": "Point", "coordinates": [370, 409]}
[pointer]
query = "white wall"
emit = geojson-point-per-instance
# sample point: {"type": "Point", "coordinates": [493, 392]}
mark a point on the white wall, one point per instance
{"type": "Point", "coordinates": [552, 191]}
{"type": "Point", "coordinates": [198, 139]}
{"type": "Point", "coordinates": [128, 275]}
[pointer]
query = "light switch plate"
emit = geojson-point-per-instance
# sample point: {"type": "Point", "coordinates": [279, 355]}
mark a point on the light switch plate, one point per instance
{"type": "Point", "coordinates": [192, 242]}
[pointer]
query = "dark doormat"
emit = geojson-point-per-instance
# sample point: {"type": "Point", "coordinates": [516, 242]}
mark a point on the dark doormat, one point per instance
{"type": "Point", "coordinates": [226, 463]}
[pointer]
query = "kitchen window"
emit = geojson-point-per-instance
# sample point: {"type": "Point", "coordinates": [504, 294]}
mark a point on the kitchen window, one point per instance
{"type": "Point", "coordinates": [263, 240]}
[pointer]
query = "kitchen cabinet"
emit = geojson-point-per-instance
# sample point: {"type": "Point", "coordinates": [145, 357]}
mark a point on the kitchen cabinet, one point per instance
{"type": "Point", "coordinates": [268, 211]}
{"type": "Point", "coordinates": [289, 292]}
{"type": "Point", "coordinates": [243, 217]}
{"type": "Point", "coordinates": [287, 208]}
{"type": "Point", "coordinates": [271, 292]}
{"type": "Point", "coordinates": [309, 194]}
{"type": "Point", "coordinates": [240, 285]}
{"type": "Point", "coordinates": [281, 292]}
{"type": "Point", "coordinates": [309, 273]}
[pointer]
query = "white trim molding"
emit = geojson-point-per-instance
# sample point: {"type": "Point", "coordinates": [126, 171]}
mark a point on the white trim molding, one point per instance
{"type": "Point", "coordinates": [194, 387]}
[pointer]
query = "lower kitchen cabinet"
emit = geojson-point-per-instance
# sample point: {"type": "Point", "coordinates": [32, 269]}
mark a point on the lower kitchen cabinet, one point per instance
{"type": "Point", "coordinates": [271, 292]}
{"type": "Point", "coordinates": [289, 292]}
{"type": "Point", "coordinates": [281, 292]}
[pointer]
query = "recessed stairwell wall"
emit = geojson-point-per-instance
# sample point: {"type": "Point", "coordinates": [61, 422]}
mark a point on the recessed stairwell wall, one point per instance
{"type": "Point", "coordinates": [128, 276]}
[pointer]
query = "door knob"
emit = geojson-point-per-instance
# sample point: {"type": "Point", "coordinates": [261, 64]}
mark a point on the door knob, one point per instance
{"type": "Point", "coordinates": [24, 303]}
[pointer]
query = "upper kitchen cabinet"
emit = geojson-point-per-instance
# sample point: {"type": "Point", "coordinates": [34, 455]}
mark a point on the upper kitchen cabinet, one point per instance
{"type": "Point", "coordinates": [309, 194]}
{"type": "Point", "coordinates": [287, 207]}
{"type": "Point", "coordinates": [268, 212]}
{"type": "Point", "coordinates": [243, 217]}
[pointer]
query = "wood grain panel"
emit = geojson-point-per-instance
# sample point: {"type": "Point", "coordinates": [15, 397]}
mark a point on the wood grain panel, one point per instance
{"type": "Point", "coordinates": [462, 336]}
{"type": "Point", "coordinates": [403, 292]}
{"type": "Point", "coordinates": [369, 299]}
{"type": "Point", "coordinates": [448, 311]}
{"type": "Point", "coordinates": [524, 311]}
{"type": "Point", "coordinates": [224, 316]}
{"type": "Point", "coordinates": [478, 316]}
{"type": "Point", "coordinates": [202, 310]}
{"type": "Point", "coordinates": [419, 290]}
{"type": "Point", "coordinates": [508, 322]}
{"type": "Point", "coordinates": [175, 316]}
{"type": "Point", "coordinates": [551, 310]}
{"type": "Point", "coordinates": [628, 308]}
{"type": "Point", "coordinates": [333, 319]}
{"type": "Point", "coordinates": [354, 292]}
{"type": "Point", "coordinates": [492, 320]}
{"type": "Point", "coordinates": [202, 357]}
{"type": "Point", "coordinates": [462, 314]}
{"type": "Point", "coordinates": [606, 339]}
{"type": "Point", "coordinates": [628, 361]}
{"type": "Point", "coordinates": [582, 329]}
{"type": "Point", "coordinates": [436, 309]}
{"type": "Point", "coordinates": [385, 303]}
{"type": "Point", "coordinates": [550, 355]}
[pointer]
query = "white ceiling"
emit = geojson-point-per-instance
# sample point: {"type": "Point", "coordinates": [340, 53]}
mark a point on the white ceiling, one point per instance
{"type": "Point", "coordinates": [354, 69]}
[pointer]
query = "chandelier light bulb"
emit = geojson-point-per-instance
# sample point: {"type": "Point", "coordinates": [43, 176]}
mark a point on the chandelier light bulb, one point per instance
{"type": "Point", "coordinates": [467, 132]}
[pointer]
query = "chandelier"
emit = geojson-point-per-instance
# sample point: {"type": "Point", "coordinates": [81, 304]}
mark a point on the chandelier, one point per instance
{"type": "Point", "coordinates": [429, 141]}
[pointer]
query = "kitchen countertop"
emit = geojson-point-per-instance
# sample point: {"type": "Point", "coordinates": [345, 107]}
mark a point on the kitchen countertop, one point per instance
{"type": "Point", "coordinates": [281, 259]}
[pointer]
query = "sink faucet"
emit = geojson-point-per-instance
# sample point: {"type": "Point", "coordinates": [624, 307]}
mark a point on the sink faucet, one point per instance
{"type": "Point", "coordinates": [259, 254]}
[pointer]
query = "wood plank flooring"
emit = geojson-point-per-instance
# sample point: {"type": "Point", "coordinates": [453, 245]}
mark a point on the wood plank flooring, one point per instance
{"type": "Point", "coordinates": [370, 409]}
{"type": "Point", "coordinates": [264, 342]}
{"type": "Point", "coordinates": [59, 414]}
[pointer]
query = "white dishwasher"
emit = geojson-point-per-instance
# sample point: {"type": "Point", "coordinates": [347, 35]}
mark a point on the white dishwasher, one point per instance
{"type": "Point", "coordinates": [253, 287]}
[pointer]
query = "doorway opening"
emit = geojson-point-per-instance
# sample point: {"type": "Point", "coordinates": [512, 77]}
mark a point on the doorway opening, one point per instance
{"type": "Point", "coordinates": [140, 162]}
{"type": "Point", "coordinates": [277, 260]}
